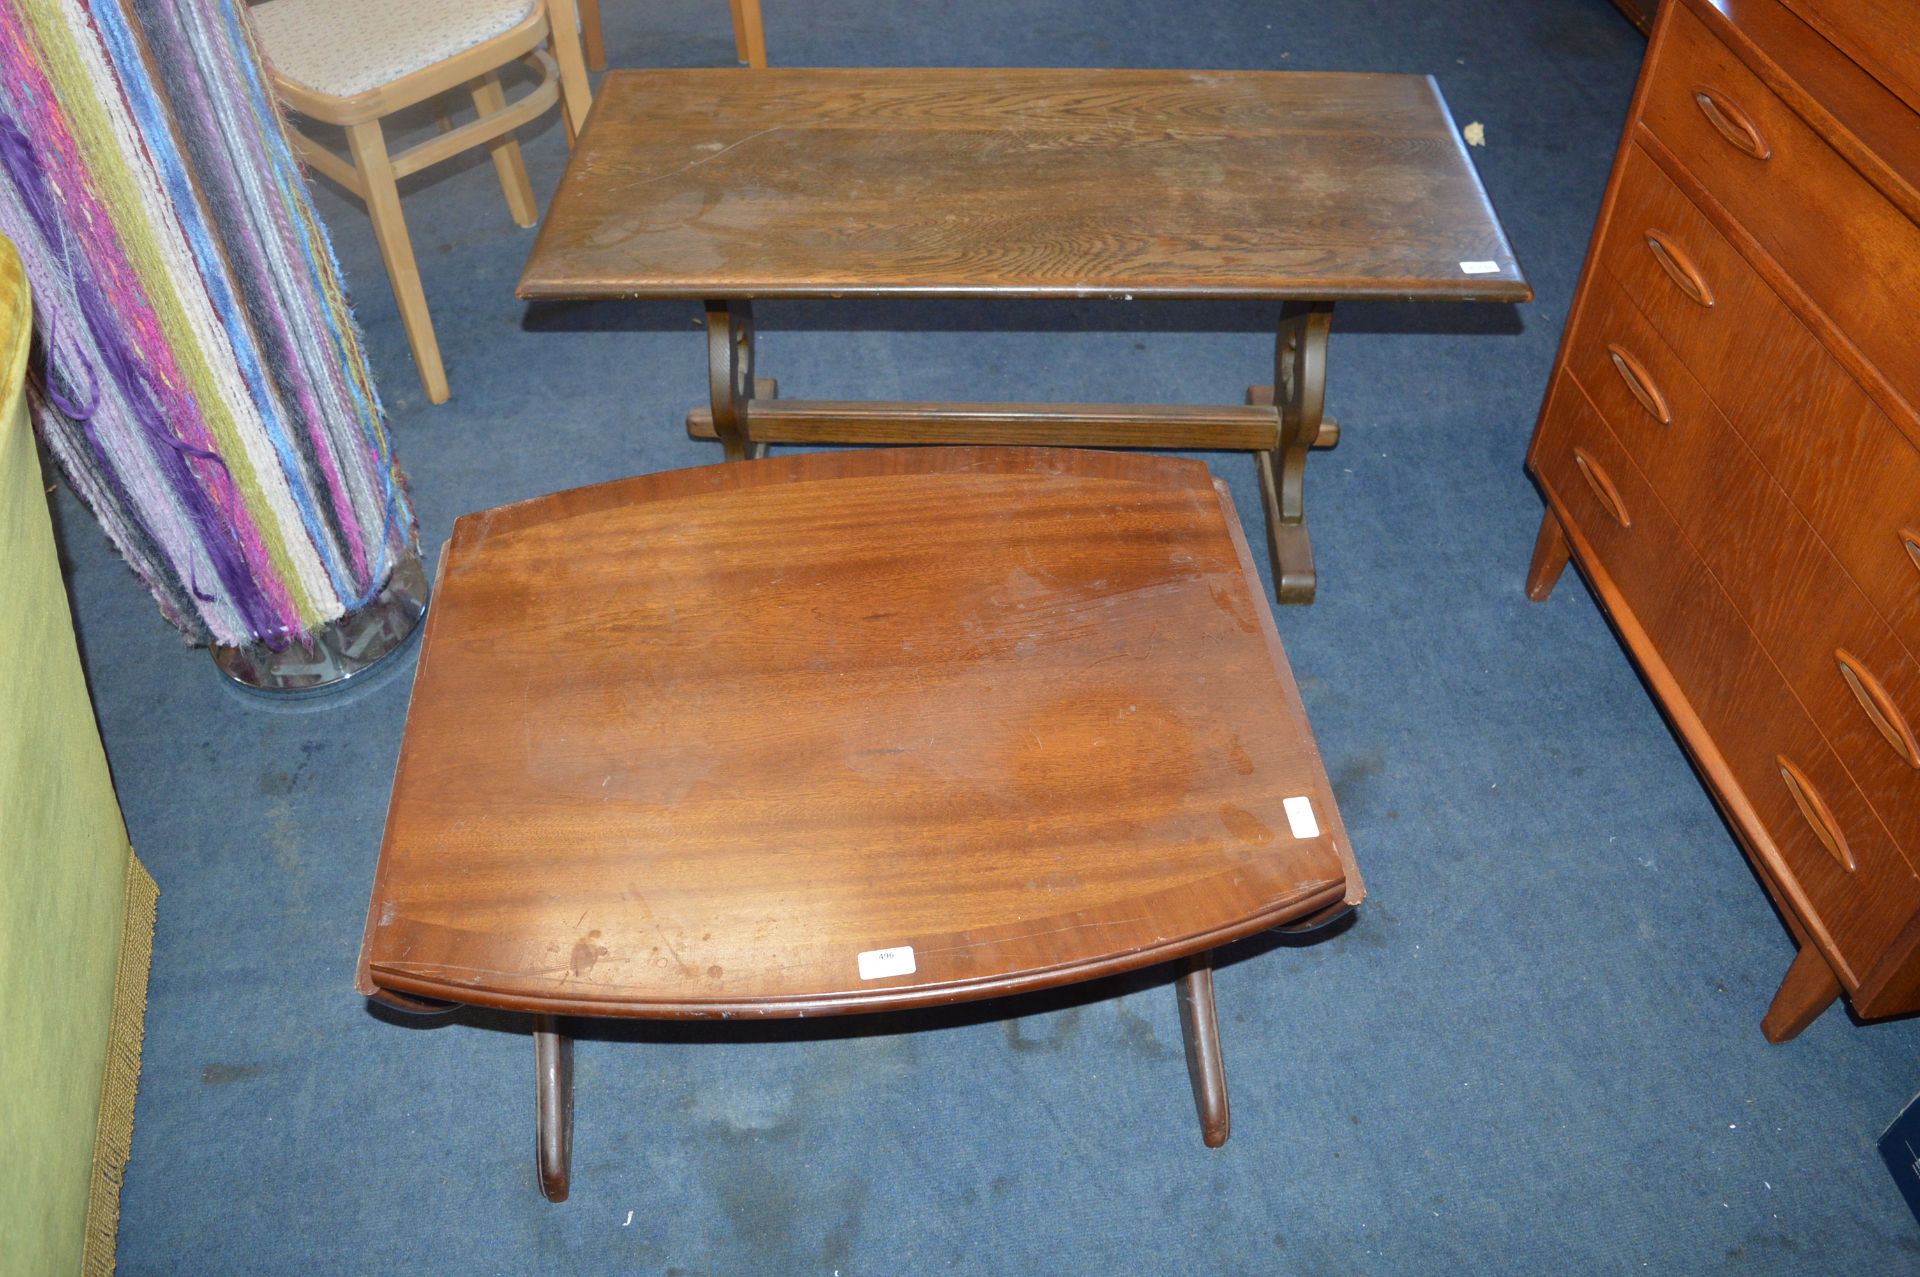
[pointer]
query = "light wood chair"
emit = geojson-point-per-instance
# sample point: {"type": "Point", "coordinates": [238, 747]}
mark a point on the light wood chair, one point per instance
{"type": "Point", "coordinates": [351, 63]}
{"type": "Point", "coordinates": [749, 36]}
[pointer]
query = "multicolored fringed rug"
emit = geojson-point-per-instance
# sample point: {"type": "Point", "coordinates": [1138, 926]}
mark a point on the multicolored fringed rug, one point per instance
{"type": "Point", "coordinates": [198, 374]}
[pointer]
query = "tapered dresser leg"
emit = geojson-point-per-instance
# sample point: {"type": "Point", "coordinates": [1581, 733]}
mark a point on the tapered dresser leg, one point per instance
{"type": "Point", "coordinates": [1550, 554]}
{"type": "Point", "coordinates": [1809, 989]}
{"type": "Point", "coordinates": [553, 1105]}
{"type": "Point", "coordinates": [1205, 1067]}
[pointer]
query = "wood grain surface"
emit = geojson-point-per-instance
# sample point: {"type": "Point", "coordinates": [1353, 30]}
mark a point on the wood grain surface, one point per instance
{"type": "Point", "coordinates": [689, 744]}
{"type": "Point", "coordinates": [1739, 719]}
{"type": "Point", "coordinates": [1806, 204]}
{"type": "Point", "coordinates": [1878, 34]}
{"type": "Point", "coordinates": [1771, 377]}
{"type": "Point", "coordinates": [1789, 588]}
{"type": "Point", "coordinates": [1043, 183]}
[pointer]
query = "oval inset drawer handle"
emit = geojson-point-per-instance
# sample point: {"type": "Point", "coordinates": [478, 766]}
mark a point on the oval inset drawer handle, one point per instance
{"type": "Point", "coordinates": [1731, 123]}
{"type": "Point", "coordinates": [1911, 540]}
{"type": "Point", "coordinates": [1808, 800]}
{"type": "Point", "coordinates": [1596, 477]}
{"type": "Point", "coordinates": [1680, 268]}
{"type": "Point", "coordinates": [1878, 703]}
{"type": "Point", "coordinates": [1640, 382]}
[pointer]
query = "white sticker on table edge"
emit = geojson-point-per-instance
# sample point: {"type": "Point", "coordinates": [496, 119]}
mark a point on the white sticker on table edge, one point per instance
{"type": "Point", "coordinates": [878, 964]}
{"type": "Point", "coordinates": [1300, 817]}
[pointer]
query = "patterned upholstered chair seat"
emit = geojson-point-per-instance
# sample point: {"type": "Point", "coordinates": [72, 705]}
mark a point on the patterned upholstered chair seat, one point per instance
{"type": "Point", "coordinates": [345, 47]}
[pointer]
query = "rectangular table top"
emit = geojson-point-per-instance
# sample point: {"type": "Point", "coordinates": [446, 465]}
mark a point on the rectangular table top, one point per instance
{"type": "Point", "coordinates": [1028, 183]}
{"type": "Point", "coordinates": [843, 731]}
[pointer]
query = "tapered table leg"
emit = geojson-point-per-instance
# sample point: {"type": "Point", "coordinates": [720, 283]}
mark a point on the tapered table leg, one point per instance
{"type": "Point", "coordinates": [1809, 989]}
{"type": "Point", "coordinates": [1205, 1067]}
{"type": "Point", "coordinates": [553, 1105]}
{"type": "Point", "coordinates": [1550, 554]}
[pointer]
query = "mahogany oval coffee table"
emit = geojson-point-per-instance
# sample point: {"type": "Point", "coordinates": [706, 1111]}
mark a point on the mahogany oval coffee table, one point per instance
{"type": "Point", "coordinates": [846, 732]}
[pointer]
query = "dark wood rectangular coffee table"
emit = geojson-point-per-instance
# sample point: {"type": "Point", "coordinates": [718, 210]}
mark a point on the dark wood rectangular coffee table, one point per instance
{"type": "Point", "coordinates": [740, 741]}
{"type": "Point", "coordinates": [1293, 187]}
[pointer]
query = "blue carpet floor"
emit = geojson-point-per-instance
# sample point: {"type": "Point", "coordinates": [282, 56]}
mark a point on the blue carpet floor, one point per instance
{"type": "Point", "coordinates": [1537, 1049]}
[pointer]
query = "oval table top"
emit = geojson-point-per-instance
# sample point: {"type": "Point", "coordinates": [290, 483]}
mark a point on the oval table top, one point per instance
{"type": "Point", "coordinates": [841, 732]}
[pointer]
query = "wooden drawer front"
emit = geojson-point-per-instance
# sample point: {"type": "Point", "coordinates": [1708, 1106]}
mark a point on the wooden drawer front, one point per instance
{"type": "Point", "coordinates": [1806, 205]}
{"type": "Point", "coordinates": [1583, 466]}
{"type": "Point", "coordinates": [1853, 475]}
{"type": "Point", "coordinates": [1883, 36]}
{"type": "Point", "coordinates": [1759, 734]}
{"type": "Point", "coordinates": [1847, 669]}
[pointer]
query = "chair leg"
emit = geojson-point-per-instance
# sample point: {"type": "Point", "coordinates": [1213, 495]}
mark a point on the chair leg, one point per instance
{"type": "Point", "coordinates": [749, 33]}
{"type": "Point", "coordinates": [591, 36]}
{"type": "Point", "coordinates": [576, 94]}
{"type": "Point", "coordinates": [369, 147]}
{"type": "Point", "coordinates": [487, 99]}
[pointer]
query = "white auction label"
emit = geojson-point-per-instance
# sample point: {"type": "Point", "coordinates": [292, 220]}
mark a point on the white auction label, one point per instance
{"type": "Point", "coordinates": [1479, 268]}
{"type": "Point", "coordinates": [1300, 817]}
{"type": "Point", "coordinates": [877, 964]}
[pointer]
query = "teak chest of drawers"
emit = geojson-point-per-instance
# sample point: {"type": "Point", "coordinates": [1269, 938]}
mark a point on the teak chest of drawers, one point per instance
{"type": "Point", "coordinates": [1730, 451]}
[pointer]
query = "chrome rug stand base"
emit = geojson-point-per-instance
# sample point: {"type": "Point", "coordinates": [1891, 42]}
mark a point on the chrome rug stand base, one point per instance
{"type": "Point", "coordinates": [341, 652]}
